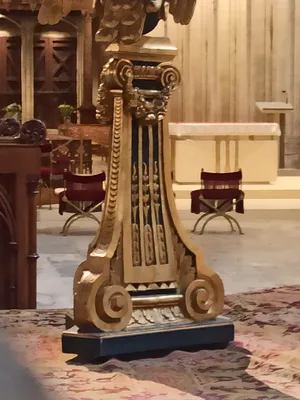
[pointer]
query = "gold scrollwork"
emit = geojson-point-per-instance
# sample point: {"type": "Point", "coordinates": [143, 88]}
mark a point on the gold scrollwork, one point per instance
{"type": "Point", "coordinates": [117, 265]}
{"type": "Point", "coordinates": [200, 299]}
{"type": "Point", "coordinates": [99, 304]}
{"type": "Point", "coordinates": [148, 233]}
{"type": "Point", "coordinates": [104, 109]}
{"type": "Point", "coordinates": [151, 106]}
{"type": "Point", "coordinates": [186, 269]}
{"type": "Point", "coordinates": [136, 251]}
{"type": "Point", "coordinates": [146, 72]}
{"type": "Point", "coordinates": [116, 74]}
{"type": "Point", "coordinates": [109, 213]}
{"type": "Point", "coordinates": [156, 245]}
{"type": "Point", "coordinates": [160, 228]}
{"type": "Point", "coordinates": [123, 73]}
{"type": "Point", "coordinates": [147, 106]}
{"type": "Point", "coordinates": [170, 76]}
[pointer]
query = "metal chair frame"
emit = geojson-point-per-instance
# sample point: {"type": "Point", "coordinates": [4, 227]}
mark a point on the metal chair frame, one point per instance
{"type": "Point", "coordinates": [79, 212]}
{"type": "Point", "coordinates": [218, 211]}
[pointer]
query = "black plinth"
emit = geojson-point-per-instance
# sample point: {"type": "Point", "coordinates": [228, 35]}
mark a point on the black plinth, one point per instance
{"type": "Point", "coordinates": [197, 335]}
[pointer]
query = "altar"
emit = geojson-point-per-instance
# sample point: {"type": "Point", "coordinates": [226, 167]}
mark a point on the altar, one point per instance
{"type": "Point", "coordinates": [225, 147]}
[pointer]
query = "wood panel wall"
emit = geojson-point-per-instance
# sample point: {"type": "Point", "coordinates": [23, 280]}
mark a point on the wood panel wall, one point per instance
{"type": "Point", "coordinates": [233, 54]}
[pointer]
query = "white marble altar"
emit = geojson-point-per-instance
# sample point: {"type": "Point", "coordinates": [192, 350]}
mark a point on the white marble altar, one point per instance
{"type": "Point", "coordinates": [225, 147]}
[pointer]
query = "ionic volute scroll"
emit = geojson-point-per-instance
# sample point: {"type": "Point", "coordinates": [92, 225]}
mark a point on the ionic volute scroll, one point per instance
{"type": "Point", "coordinates": [116, 75]}
{"type": "Point", "coordinates": [148, 106]}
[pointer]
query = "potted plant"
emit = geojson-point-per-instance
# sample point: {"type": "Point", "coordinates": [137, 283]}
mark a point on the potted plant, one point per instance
{"type": "Point", "coordinates": [66, 111]}
{"type": "Point", "coordinates": [13, 111]}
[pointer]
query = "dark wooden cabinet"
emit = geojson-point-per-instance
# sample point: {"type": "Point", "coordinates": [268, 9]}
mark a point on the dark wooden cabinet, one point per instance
{"type": "Point", "coordinates": [19, 178]}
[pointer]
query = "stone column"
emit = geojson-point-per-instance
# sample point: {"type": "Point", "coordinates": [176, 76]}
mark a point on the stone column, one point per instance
{"type": "Point", "coordinates": [87, 108]}
{"type": "Point", "coordinates": [27, 68]}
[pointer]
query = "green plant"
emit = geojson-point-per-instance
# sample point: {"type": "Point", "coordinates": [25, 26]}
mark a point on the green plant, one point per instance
{"type": "Point", "coordinates": [14, 107]}
{"type": "Point", "coordinates": [12, 111]}
{"type": "Point", "coordinates": [66, 110]}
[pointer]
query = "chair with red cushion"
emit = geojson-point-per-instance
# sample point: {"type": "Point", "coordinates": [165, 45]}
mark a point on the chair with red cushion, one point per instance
{"type": "Point", "coordinates": [219, 194]}
{"type": "Point", "coordinates": [54, 165]}
{"type": "Point", "coordinates": [46, 151]}
{"type": "Point", "coordinates": [82, 196]}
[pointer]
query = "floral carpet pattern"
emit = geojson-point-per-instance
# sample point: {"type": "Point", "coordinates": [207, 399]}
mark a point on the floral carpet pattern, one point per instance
{"type": "Point", "coordinates": [262, 364]}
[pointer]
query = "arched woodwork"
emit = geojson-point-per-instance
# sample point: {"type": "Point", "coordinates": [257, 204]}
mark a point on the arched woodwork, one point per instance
{"type": "Point", "coordinates": [10, 65]}
{"type": "Point", "coordinates": [54, 71]}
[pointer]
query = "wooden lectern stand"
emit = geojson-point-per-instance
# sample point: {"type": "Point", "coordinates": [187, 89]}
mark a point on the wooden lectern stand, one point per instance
{"type": "Point", "coordinates": [19, 177]}
{"type": "Point", "coordinates": [281, 109]}
{"type": "Point", "coordinates": [144, 286]}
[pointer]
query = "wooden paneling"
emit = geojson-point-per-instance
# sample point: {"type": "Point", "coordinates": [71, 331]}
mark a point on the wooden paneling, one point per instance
{"type": "Point", "coordinates": [233, 54]}
{"type": "Point", "coordinates": [10, 71]}
{"type": "Point", "coordinates": [19, 177]}
{"type": "Point", "coordinates": [55, 77]}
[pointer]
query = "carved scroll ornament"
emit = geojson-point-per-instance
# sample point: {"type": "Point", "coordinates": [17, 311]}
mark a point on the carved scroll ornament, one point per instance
{"type": "Point", "coordinates": [31, 132]}
{"type": "Point", "coordinates": [148, 106]}
{"type": "Point", "coordinates": [141, 246]}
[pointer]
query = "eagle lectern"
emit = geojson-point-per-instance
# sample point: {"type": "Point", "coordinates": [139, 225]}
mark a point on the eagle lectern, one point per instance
{"type": "Point", "coordinates": [144, 285]}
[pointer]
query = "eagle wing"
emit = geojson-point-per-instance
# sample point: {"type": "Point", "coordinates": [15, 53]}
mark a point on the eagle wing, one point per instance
{"type": "Point", "coordinates": [122, 20]}
{"type": "Point", "coordinates": [182, 10]}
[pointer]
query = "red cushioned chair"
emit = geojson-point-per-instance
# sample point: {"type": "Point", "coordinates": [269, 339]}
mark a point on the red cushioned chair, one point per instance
{"type": "Point", "coordinates": [82, 196]}
{"type": "Point", "coordinates": [219, 194]}
{"type": "Point", "coordinates": [46, 150]}
{"type": "Point", "coordinates": [54, 165]}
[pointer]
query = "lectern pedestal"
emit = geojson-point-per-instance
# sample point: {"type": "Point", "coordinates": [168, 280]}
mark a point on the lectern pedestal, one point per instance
{"type": "Point", "coordinates": [279, 109]}
{"type": "Point", "coordinates": [144, 285]}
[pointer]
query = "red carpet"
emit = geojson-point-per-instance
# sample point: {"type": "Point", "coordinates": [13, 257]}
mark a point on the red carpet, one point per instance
{"type": "Point", "coordinates": [262, 364]}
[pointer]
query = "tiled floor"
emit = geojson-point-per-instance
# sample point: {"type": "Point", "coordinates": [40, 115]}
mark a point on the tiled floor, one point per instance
{"type": "Point", "coordinates": [267, 255]}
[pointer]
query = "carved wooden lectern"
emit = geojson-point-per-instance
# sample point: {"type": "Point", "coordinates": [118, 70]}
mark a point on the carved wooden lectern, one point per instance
{"type": "Point", "coordinates": [20, 158]}
{"type": "Point", "coordinates": [144, 285]}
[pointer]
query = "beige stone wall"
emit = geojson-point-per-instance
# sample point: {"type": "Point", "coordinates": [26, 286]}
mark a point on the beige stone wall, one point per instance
{"type": "Point", "coordinates": [234, 53]}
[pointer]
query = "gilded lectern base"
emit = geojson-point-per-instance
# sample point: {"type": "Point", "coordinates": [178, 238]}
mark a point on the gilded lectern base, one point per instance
{"type": "Point", "coordinates": [136, 342]}
{"type": "Point", "coordinates": [144, 285]}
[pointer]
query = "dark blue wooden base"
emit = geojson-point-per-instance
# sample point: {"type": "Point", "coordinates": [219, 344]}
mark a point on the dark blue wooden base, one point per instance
{"type": "Point", "coordinates": [168, 337]}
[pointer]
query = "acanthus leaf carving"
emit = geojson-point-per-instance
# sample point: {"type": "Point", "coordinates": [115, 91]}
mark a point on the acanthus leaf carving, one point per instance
{"type": "Point", "coordinates": [156, 315]}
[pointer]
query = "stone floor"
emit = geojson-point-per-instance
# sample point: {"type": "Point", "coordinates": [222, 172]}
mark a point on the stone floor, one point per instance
{"type": "Point", "coordinates": [268, 255]}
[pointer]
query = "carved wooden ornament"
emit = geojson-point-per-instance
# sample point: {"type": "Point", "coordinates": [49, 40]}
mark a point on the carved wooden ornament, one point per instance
{"type": "Point", "coordinates": [142, 269]}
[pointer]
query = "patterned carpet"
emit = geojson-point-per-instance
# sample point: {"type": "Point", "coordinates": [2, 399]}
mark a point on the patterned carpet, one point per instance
{"type": "Point", "coordinates": [262, 364]}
